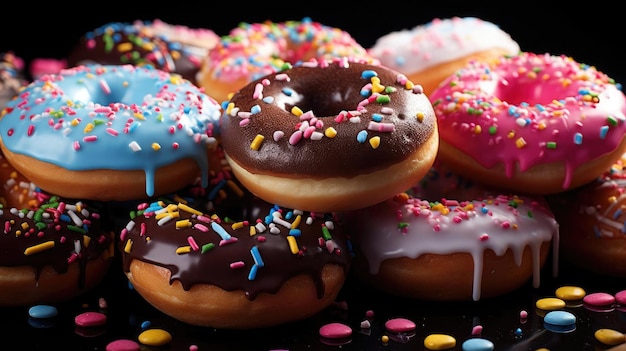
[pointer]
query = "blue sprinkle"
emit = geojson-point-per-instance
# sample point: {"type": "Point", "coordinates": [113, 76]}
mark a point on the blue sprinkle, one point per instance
{"type": "Point", "coordinates": [603, 131]}
{"type": "Point", "coordinates": [295, 232]}
{"type": "Point", "coordinates": [366, 92]}
{"type": "Point", "coordinates": [220, 231]}
{"type": "Point", "coordinates": [256, 256]}
{"type": "Point", "coordinates": [42, 311]}
{"type": "Point", "coordinates": [289, 215]}
{"type": "Point", "coordinates": [268, 99]}
{"type": "Point", "coordinates": [213, 193]}
{"type": "Point", "coordinates": [484, 210]}
{"type": "Point", "coordinates": [255, 109]}
{"type": "Point", "coordinates": [377, 117]}
{"type": "Point", "coordinates": [518, 332]}
{"type": "Point", "coordinates": [362, 136]}
{"type": "Point", "coordinates": [252, 273]}
{"type": "Point", "coordinates": [288, 91]}
{"type": "Point", "coordinates": [368, 73]}
{"type": "Point", "coordinates": [145, 324]}
{"type": "Point", "coordinates": [578, 138]}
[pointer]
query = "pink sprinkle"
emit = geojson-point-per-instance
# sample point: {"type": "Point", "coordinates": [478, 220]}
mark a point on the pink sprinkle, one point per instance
{"type": "Point", "coordinates": [523, 314]}
{"type": "Point", "coordinates": [484, 237]}
{"type": "Point", "coordinates": [238, 264]}
{"type": "Point", "coordinates": [112, 131]}
{"type": "Point", "coordinates": [599, 299]}
{"type": "Point", "coordinates": [258, 91]}
{"type": "Point", "coordinates": [477, 329]}
{"type": "Point", "coordinates": [295, 137]}
{"type": "Point", "coordinates": [90, 138]}
{"type": "Point", "coordinates": [369, 314]}
{"type": "Point", "coordinates": [335, 331]}
{"type": "Point", "coordinates": [102, 303]}
{"type": "Point", "coordinates": [192, 243]}
{"type": "Point", "coordinates": [90, 319]}
{"type": "Point", "coordinates": [399, 325]}
{"type": "Point", "coordinates": [31, 130]}
{"type": "Point", "coordinates": [123, 345]}
{"type": "Point", "coordinates": [105, 86]}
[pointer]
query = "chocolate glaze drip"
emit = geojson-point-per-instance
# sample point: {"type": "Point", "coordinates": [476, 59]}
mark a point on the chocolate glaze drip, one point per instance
{"type": "Point", "coordinates": [71, 233]}
{"type": "Point", "coordinates": [230, 264]}
{"type": "Point", "coordinates": [326, 91]}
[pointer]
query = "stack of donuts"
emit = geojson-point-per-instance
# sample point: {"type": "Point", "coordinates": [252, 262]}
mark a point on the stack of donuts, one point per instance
{"type": "Point", "coordinates": [249, 173]}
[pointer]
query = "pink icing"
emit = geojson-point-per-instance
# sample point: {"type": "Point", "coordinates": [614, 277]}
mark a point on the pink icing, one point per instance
{"type": "Point", "coordinates": [533, 109]}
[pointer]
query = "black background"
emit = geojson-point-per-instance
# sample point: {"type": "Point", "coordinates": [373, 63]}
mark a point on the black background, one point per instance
{"type": "Point", "coordinates": [591, 33]}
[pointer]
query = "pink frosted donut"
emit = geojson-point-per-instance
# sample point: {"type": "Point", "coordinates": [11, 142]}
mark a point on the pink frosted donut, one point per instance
{"type": "Point", "coordinates": [449, 248]}
{"type": "Point", "coordinates": [534, 123]}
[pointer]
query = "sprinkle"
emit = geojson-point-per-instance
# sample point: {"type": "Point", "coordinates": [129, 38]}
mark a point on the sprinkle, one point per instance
{"type": "Point", "coordinates": [256, 143]}
{"type": "Point", "coordinates": [293, 245]}
{"type": "Point", "coordinates": [39, 248]}
{"type": "Point", "coordinates": [256, 256]}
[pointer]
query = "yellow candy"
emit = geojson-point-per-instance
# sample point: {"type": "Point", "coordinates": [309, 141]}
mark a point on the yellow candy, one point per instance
{"type": "Point", "coordinates": [609, 337]}
{"type": "Point", "coordinates": [155, 337]}
{"type": "Point", "coordinates": [439, 342]}
{"type": "Point", "coordinates": [550, 303]}
{"type": "Point", "coordinates": [570, 293]}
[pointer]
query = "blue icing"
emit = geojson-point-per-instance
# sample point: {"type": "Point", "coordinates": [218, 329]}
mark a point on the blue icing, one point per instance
{"type": "Point", "coordinates": [112, 117]}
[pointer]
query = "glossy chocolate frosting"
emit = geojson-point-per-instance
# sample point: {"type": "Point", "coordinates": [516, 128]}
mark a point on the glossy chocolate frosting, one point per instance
{"type": "Point", "coordinates": [257, 254]}
{"type": "Point", "coordinates": [379, 118]}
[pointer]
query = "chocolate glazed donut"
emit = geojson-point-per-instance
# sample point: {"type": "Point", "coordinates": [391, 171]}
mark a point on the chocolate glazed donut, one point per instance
{"type": "Point", "coordinates": [329, 135]}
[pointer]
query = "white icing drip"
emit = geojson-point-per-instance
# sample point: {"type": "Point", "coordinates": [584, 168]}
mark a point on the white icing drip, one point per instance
{"type": "Point", "coordinates": [379, 238]}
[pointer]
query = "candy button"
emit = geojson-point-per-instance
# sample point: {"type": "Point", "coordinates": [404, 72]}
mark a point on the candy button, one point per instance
{"type": "Point", "coordinates": [620, 297]}
{"type": "Point", "coordinates": [42, 311]}
{"type": "Point", "coordinates": [439, 342]}
{"type": "Point", "coordinates": [123, 345]}
{"type": "Point", "coordinates": [155, 337]}
{"type": "Point", "coordinates": [609, 337]}
{"type": "Point", "coordinates": [399, 325]}
{"type": "Point", "coordinates": [559, 321]}
{"type": "Point", "coordinates": [90, 319]}
{"type": "Point", "coordinates": [550, 303]}
{"type": "Point", "coordinates": [477, 344]}
{"type": "Point", "coordinates": [335, 331]}
{"type": "Point", "coordinates": [599, 299]}
{"type": "Point", "coordinates": [570, 293]}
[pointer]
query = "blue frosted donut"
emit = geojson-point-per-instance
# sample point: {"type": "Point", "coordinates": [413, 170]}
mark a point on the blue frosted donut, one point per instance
{"type": "Point", "coordinates": [110, 132]}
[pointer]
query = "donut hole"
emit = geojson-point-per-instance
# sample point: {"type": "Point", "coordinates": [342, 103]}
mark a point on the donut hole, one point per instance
{"type": "Point", "coordinates": [320, 98]}
{"type": "Point", "coordinates": [110, 91]}
{"type": "Point", "coordinates": [520, 90]}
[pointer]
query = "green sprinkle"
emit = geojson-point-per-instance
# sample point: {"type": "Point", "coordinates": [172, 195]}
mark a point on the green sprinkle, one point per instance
{"type": "Point", "coordinates": [551, 144]}
{"type": "Point", "coordinates": [207, 247]}
{"type": "Point", "coordinates": [383, 99]}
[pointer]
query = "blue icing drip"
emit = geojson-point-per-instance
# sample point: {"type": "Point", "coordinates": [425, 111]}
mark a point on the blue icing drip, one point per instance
{"type": "Point", "coordinates": [112, 117]}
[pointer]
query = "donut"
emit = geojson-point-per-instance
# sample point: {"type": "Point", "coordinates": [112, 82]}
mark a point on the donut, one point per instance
{"type": "Point", "coordinates": [169, 47]}
{"type": "Point", "coordinates": [110, 132]}
{"type": "Point", "coordinates": [253, 50]}
{"type": "Point", "coordinates": [11, 77]}
{"type": "Point", "coordinates": [53, 249]}
{"type": "Point", "coordinates": [439, 243]}
{"type": "Point", "coordinates": [550, 123]}
{"type": "Point", "coordinates": [257, 265]}
{"type": "Point", "coordinates": [592, 221]}
{"type": "Point", "coordinates": [329, 135]}
{"type": "Point", "coordinates": [429, 53]}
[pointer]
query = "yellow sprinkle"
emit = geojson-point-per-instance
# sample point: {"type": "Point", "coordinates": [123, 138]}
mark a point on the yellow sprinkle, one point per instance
{"type": "Point", "coordinates": [189, 209]}
{"type": "Point", "coordinates": [478, 129]}
{"type": "Point", "coordinates": [167, 214]}
{"type": "Point", "coordinates": [235, 188]}
{"type": "Point", "coordinates": [330, 132]}
{"type": "Point", "coordinates": [39, 247]}
{"type": "Point", "coordinates": [237, 225]}
{"type": "Point", "coordinates": [520, 143]}
{"type": "Point", "coordinates": [541, 125]}
{"type": "Point", "coordinates": [375, 142]}
{"type": "Point", "coordinates": [296, 222]}
{"type": "Point", "coordinates": [88, 128]}
{"type": "Point", "coordinates": [86, 240]}
{"type": "Point", "coordinates": [124, 47]}
{"type": "Point", "coordinates": [185, 223]}
{"type": "Point", "coordinates": [409, 85]}
{"type": "Point", "coordinates": [612, 199]}
{"type": "Point", "coordinates": [138, 115]}
{"type": "Point", "coordinates": [156, 146]}
{"type": "Point", "coordinates": [511, 135]}
{"type": "Point", "coordinates": [256, 143]}
{"type": "Point", "coordinates": [384, 339]}
{"type": "Point", "coordinates": [128, 246]}
{"type": "Point", "coordinates": [296, 111]}
{"type": "Point", "coordinates": [74, 122]}
{"type": "Point", "coordinates": [24, 225]}
{"type": "Point", "coordinates": [229, 107]}
{"type": "Point", "coordinates": [252, 230]}
{"type": "Point", "coordinates": [183, 250]}
{"type": "Point", "coordinates": [420, 116]}
{"type": "Point", "coordinates": [293, 246]}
